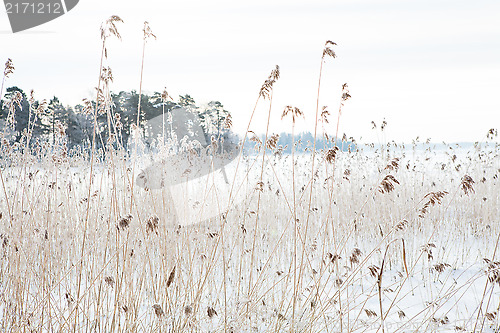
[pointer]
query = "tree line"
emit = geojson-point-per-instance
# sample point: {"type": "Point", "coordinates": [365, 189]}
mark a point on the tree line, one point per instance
{"type": "Point", "coordinates": [48, 121]}
{"type": "Point", "coordinates": [160, 118]}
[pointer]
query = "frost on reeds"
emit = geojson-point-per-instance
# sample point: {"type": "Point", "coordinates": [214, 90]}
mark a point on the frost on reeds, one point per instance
{"type": "Point", "coordinates": [387, 184]}
{"type": "Point", "coordinates": [467, 184]}
{"type": "Point", "coordinates": [9, 69]}
{"type": "Point", "coordinates": [327, 51]}
{"type": "Point", "coordinates": [124, 222]}
{"type": "Point", "coordinates": [152, 224]}
{"type": "Point", "coordinates": [431, 199]}
{"type": "Point", "coordinates": [267, 86]}
{"type": "Point", "coordinates": [393, 237]}
{"type": "Point", "coordinates": [331, 154]}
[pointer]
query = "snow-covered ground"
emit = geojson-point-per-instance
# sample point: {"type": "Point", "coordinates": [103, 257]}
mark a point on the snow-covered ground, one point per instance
{"type": "Point", "coordinates": [371, 248]}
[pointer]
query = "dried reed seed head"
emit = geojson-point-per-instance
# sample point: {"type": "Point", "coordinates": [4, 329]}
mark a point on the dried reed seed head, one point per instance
{"type": "Point", "coordinates": [440, 267]}
{"type": "Point", "coordinates": [228, 121]}
{"type": "Point", "coordinates": [213, 143]}
{"type": "Point", "coordinates": [294, 111]}
{"type": "Point", "coordinates": [60, 128]}
{"type": "Point", "coordinates": [15, 100]}
{"type": "Point", "coordinates": [5, 240]}
{"type": "Point", "coordinates": [101, 99]}
{"type": "Point", "coordinates": [492, 265]}
{"type": "Point", "coordinates": [254, 137]}
{"type": "Point", "coordinates": [41, 108]}
{"type": "Point", "coordinates": [491, 315]}
{"type": "Point", "coordinates": [345, 93]}
{"type": "Point", "coordinates": [31, 100]}
{"type": "Point", "coordinates": [393, 164]}
{"type": "Point", "coordinates": [370, 313]}
{"type": "Point", "coordinates": [267, 87]}
{"type": "Point", "coordinates": [327, 51]}
{"type": "Point", "coordinates": [165, 96]}
{"type": "Point", "coordinates": [493, 271]}
{"type": "Point", "coordinates": [109, 28]}
{"type": "Point", "coordinates": [427, 248]}
{"type": "Point", "coordinates": [401, 314]}
{"type": "Point", "coordinates": [280, 316]}
{"type": "Point", "coordinates": [69, 299]}
{"type": "Point", "coordinates": [106, 75]}
{"type": "Point", "coordinates": [466, 184]}
{"type": "Point", "coordinates": [275, 73]}
{"type": "Point", "coordinates": [401, 225]}
{"type": "Point", "coordinates": [353, 260]}
{"type": "Point", "coordinates": [492, 132]}
{"type": "Point", "coordinates": [111, 139]}
{"type": "Point", "coordinates": [347, 173]}
{"type": "Point", "coordinates": [279, 153]}
{"type": "Point", "coordinates": [272, 142]}
{"type": "Point", "coordinates": [324, 115]}
{"type": "Point", "coordinates": [124, 222]}
{"type": "Point", "coordinates": [259, 186]}
{"type": "Point", "coordinates": [88, 107]}
{"type": "Point", "coordinates": [374, 270]}
{"type": "Point", "coordinates": [152, 224]}
{"type": "Point", "coordinates": [148, 33]}
{"type": "Point", "coordinates": [171, 277]}
{"type": "Point", "coordinates": [212, 234]}
{"type": "Point", "coordinates": [435, 197]}
{"type": "Point", "coordinates": [109, 281]}
{"type": "Point", "coordinates": [314, 245]}
{"type": "Point", "coordinates": [9, 68]}
{"type": "Point", "coordinates": [158, 310]}
{"type": "Point", "coordinates": [333, 257]}
{"type": "Point", "coordinates": [331, 154]}
{"type": "Point", "coordinates": [442, 321]}
{"type": "Point", "coordinates": [355, 256]}
{"type": "Point", "coordinates": [387, 184]}
{"type": "Point", "coordinates": [188, 310]}
{"type": "Point", "coordinates": [265, 90]}
{"type": "Point", "coordinates": [211, 312]}
{"type": "Point", "coordinates": [384, 124]}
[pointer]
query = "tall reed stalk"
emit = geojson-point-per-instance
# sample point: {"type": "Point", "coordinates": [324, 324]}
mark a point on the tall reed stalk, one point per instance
{"type": "Point", "coordinates": [327, 51]}
{"type": "Point", "coordinates": [107, 29]}
{"type": "Point", "coordinates": [147, 34]}
{"type": "Point", "coordinates": [295, 113]}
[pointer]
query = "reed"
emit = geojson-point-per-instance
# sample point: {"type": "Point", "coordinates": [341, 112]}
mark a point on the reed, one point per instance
{"type": "Point", "coordinates": [365, 239]}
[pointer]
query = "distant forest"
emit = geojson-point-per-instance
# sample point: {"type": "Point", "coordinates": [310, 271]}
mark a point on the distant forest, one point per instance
{"type": "Point", "coordinates": [50, 121]}
{"type": "Point", "coordinates": [46, 121]}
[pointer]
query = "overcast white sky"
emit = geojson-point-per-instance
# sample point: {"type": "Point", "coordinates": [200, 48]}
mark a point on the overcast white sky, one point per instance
{"type": "Point", "coordinates": [431, 68]}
